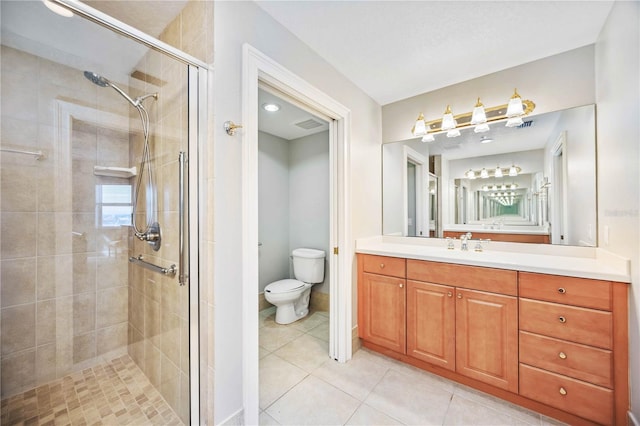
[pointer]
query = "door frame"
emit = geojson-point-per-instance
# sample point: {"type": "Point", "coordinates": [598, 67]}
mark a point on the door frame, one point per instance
{"type": "Point", "coordinates": [257, 67]}
{"type": "Point", "coordinates": [422, 203]}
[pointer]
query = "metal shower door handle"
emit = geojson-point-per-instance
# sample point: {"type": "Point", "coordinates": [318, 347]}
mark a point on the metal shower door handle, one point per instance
{"type": "Point", "coordinates": [182, 262]}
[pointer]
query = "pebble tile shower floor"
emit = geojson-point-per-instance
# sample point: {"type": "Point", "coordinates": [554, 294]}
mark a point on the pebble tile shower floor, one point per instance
{"type": "Point", "coordinates": [114, 393]}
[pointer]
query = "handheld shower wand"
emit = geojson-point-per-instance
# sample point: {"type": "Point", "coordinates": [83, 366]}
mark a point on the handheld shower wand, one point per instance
{"type": "Point", "coordinates": [151, 233]}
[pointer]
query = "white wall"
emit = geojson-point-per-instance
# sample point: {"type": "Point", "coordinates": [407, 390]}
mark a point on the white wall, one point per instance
{"type": "Point", "coordinates": [554, 83]}
{"type": "Point", "coordinates": [273, 206]}
{"type": "Point", "coordinates": [236, 23]}
{"type": "Point", "coordinates": [617, 93]}
{"type": "Point", "coordinates": [309, 196]}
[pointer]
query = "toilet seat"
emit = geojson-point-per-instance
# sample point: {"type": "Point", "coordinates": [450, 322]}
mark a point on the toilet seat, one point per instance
{"type": "Point", "coordinates": [284, 286]}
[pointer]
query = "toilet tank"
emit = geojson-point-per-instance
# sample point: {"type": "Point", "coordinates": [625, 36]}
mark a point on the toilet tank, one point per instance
{"type": "Point", "coordinates": [308, 265]}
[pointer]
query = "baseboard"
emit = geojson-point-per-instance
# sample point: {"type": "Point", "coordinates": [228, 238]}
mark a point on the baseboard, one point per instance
{"type": "Point", "coordinates": [633, 421]}
{"type": "Point", "coordinates": [319, 301]}
{"type": "Point", "coordinates": [356, 343]}
{"type": "Point", "coordinates": [262, 302]}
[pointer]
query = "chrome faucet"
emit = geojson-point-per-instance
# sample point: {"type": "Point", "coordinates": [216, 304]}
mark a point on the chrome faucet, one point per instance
{"type": "Point", "coordinates": [464, 238]}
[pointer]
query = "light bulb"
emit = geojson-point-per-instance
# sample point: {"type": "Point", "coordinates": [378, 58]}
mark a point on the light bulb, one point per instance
{"type": "Point", "coordinates": [514, 122]}
{"type": "Point", "coordinates": [478, 116]}
{"type": "Point", "coordinates": [428, 138]}
{"type": "Point", "coordinates": [484, 174]}
{"type": "Point", "coordinates": [513, 171]}
{"type": "Point", "coordinates": [448, 122]}
{"type": "Point", "coordinates": [515, 108]}
{"type": "Point", "coordinates": [420, 128]}
{"type": "Point", "coordinates": [453, 133]}
{"type": "Point", "coordinates": [484, 127]}
{"type": "Point", "coordinates": [498, 172]}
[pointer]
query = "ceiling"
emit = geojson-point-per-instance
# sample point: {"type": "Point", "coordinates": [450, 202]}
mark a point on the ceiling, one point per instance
{"type": "Point", "coordinates": [289, 122]}
{"type": "Point", "coordinates": [393, 50]}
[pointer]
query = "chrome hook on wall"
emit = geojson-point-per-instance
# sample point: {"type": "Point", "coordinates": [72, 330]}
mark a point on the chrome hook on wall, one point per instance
{"type": "Point", "coordinates": [230, 127]}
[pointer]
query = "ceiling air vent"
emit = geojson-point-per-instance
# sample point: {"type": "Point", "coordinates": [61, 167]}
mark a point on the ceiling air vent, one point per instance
{"type": "Point", "coordinates": [526, 124]}
{"type": "Point", "coordinates": [309, 124]}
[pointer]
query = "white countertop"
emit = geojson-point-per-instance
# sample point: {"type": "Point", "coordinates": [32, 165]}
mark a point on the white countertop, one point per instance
{"type": "Point", "coordinates": [528, 230]}
{"type": "Point", "coordinates": [582, 262]}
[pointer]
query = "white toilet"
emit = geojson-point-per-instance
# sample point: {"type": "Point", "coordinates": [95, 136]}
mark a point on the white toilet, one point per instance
{"type": "Point", "coordinates": [291, 297]}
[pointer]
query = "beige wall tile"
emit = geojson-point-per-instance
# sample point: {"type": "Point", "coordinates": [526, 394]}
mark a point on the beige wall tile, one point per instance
{"type": "Point", "coordinates": [84, 347]}
{"type": "Point", "coordinates": [152, 325]}
{"type": "Point", "coordinates": [112, 306]}
{"type": "Point", "coordinates": [184, 346]}
{"type": "Point", "coordinates": [170, 383]}
{"type": "Point", "coordinates": [170, 339]}
{"type": "Point", "coordinates": [46, 363]}
{"type": "Point", "coordinates": [18, 372]}
{"type": "Point", "coordinates": [84, 313]}
{"type": "Point", "coordinates": [18, 281]}
{"type": "Point", "coordinates": [136, 310]}
{"type": "Point", "coordinates": [54, 234]}
{"type": "Point", "coordinates": [54, 276]}
{"type": "Point", "coordinates": [152, 363]}
{"type": "Point", "coordinates": [136, 347]}
{"type": "Point", "coordinates": [18, 235]}
{"type": "Point", "coordinates": [19, 95]}
{"type": "Point", "coordinates": [111, 338]}
{"type": "Point", "coordinates": [184, 403]}
{"type": "Point", "coordinates": [18, 328]}
{"type": "Point", "coordinates": [84, 224]}
{"type": "Point", "coordinates": [45, 322]}
{"type": "Point", "coordinates": [18, 188]}
{"type": "Point", "coordinates": [112, 271]}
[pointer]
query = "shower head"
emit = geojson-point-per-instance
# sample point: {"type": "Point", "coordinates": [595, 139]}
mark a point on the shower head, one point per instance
{"type": "Point", "coordinates": [96, 79]}
{"type": "Point", "coordinates": [103, 82]}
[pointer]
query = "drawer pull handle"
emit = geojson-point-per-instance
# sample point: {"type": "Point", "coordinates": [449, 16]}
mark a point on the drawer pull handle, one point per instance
{"type": "Point", "coordinates": [459, 295]}
{"type": "Point", "coordinates": [563, 391]}
{"type": "Point", "coordinates": [562, 355]}
{"type": "Point", "coordinates": [401, 285]}
{"type": "Point", "coordinates": [450, 294]}
{"type": "Point", "coordinates": [562, 319]}
{"type": "Point", "coordinates": [562, 290]}
{"type": "Point", "coordinates": [382, 266]}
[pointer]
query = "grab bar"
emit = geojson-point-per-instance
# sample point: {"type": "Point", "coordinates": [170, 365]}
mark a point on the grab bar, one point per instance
{"type": "Point", "coordinates": [183, 276]}
{"type": "Point", "coordinates": [170, 271]}
{"type": "Point", "coordinates": [38, 154]}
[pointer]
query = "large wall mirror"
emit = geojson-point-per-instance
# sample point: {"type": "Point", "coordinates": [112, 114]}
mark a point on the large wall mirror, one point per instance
{"type": "Point", "coordinates": [535, 183]}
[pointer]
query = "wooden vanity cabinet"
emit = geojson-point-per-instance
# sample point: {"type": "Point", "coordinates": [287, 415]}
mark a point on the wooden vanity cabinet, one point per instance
{"type": "Point", "coordinates": [573, 355]}
{"type": "Point", "coordinates": [382, 302]}
{"type": "Point", "coordinates": [554, 344]}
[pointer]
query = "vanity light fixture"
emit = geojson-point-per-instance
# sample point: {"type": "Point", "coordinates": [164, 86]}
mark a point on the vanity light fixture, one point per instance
{"type": "Point", "coordinates": [484, 174]}
{"type": "Point", "coordinates": [513, 170]}
{"type": "Point", "coordinates": [479, 118]}
{"type": "Point", "coordinates": [271, 107]}
{"type": "Point", "coordinates": [56, 8]}
{"type": "Point", "coordinates": [498, 172]}
{"type": "Point", "coordinates": [428, 138]}
{"type": "Point", "coordinates": [470, 174]}
{"type": "Point", "coordinates": [495, 173]}
{"type": "Point", "coordinates": [448, 122]}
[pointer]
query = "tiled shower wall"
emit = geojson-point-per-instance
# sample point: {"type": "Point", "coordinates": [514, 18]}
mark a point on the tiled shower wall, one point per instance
{"type": "Point", "coordinates": [63, 276]}
{"type": "Point", "coordinates": [159, 311]}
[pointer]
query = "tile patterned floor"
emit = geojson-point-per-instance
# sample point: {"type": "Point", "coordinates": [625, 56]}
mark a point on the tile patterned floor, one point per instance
{"type": "Point", "coordinates": [115, 393]}
{"type": "Point", "coordinates": [299, 385]}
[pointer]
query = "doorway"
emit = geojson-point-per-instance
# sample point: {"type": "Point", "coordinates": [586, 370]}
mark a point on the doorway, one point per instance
{"type": "Point", "coordinates": [257, 69]}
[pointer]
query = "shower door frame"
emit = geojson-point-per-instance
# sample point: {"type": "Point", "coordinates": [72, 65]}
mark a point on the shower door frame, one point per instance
{"type": "Point", "coordinates": [197, 82]}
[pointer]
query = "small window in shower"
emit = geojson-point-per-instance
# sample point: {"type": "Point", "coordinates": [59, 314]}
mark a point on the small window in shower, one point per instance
{"type": "Point", "coordinates": [113, 205]}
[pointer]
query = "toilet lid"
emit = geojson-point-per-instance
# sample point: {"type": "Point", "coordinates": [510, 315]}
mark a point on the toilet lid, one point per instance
{"type": "Point", "coordinates": [284, 286]}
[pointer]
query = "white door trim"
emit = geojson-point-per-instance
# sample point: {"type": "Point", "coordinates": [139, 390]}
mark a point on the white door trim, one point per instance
{"type": "Point", "coordinates": [258, 67]}
{"type": "Point", "coordinates": [421, 163]}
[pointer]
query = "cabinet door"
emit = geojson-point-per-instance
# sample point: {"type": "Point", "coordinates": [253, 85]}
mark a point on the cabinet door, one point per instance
{"type": "Point", "coordinates": [383, 305]}
{"type": "Point", "coordinates": [431, 317]}
{"type": "Point", "coordinates": [487, 338]}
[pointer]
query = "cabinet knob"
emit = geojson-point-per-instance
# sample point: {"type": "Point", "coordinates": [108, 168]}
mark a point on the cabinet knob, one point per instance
{"type": "Point", "coordinates": [401, 285]}
{"type": "Point", "coordinates": [459, 295]}
{"type": "Point", "coordinates": [562, 319]}
{"type": "Point", "coordinates": [562, 290]}
{"type": "Point", "coordinates": [562, 391]}
{"type": "Point", "coordinates": [562, 355]}
{"type": "Point", "coordinates": [382, 266]}
{"type": "Point", "coordinates": [450, 294]}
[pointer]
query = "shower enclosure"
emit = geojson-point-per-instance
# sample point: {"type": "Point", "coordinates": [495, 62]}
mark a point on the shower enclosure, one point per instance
{"type": "Point", "coordinates": [98, 155]}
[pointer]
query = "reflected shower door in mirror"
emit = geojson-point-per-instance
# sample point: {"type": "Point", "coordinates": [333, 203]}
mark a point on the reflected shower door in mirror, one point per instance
{"type": "Point", "coordinates": [534, 183]}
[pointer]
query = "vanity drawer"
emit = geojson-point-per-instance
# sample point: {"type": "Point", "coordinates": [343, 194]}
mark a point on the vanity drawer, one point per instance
{"type": "Point", "coordinates": [574, 396]}
{"type": "Point", "coordinates": [569, 290]}
{"type": "Point", "coordinates": [473, 277]}
{"type": "Point", "coordinates": [580, 325]}
{"type": "Point", "coordinates": [384, 265]}
{"type": "Point", "coordinates": [570, 359]}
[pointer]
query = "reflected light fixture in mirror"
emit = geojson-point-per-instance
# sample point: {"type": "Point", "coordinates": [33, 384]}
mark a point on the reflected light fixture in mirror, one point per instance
{"type": "Point", "coordinates": [512, 113]}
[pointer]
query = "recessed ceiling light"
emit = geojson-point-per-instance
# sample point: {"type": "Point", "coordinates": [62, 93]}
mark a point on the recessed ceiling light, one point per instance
{"type": "Point", "coordinates": [56, 8]}
{"type": "Point", "coordinates": [485, 139]}
{"type": "Point", "coordinates": [271, 107]}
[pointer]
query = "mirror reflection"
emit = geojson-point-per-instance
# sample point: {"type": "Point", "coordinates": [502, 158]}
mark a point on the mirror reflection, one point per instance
{"type": "Point", "coordinates": [535, 183]}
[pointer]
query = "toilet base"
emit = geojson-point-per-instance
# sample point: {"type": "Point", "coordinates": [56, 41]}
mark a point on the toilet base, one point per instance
{"type": "Point", "coordinates": [286, 313]}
